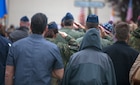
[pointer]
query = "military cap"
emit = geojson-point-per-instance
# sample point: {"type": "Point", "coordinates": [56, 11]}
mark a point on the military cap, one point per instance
{"type": "Point", "coordinates": [68, 16]}
{"type": "Point", "coordinates": [24, 19]}
{"type": "Point", "coordinates": [52, 25]}
{"type": "Point", "coordinates": [92, 18]}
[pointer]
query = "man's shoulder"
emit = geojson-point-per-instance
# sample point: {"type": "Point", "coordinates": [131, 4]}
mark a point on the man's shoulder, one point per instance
{"type": "Point", "coordinates": [108, 48]}
{"type": "Point", "coordinates": [20, 29]}
{"type": "Point", "coordinates": [21, 41]}
{"type": "Point", "coordinates": [64, 29]}
{"type": "Point", "coordinates": [15, 33]}
{"type": "Point", "coordinates": [59, 38]}
{"type": "Point", "coordinates": [50, 44]}
{"type": "Point", "coordinates": [4, 40]}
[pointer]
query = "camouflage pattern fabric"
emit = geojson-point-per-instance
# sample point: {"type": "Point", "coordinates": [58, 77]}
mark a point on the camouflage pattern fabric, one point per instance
{"type": "Point", "coordinates": [67, 46]}
{"type": "Point", "coordinates": [134, 41]}
{"type": "Point", "coordinates": [75, 34]}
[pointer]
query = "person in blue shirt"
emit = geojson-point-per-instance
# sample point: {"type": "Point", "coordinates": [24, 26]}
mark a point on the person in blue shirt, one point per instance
{"type": "Point", "coordinates": [34, 60]}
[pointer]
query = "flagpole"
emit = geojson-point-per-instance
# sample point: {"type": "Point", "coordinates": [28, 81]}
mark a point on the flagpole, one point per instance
{"type": "Point", "coordinates": [89, 8]}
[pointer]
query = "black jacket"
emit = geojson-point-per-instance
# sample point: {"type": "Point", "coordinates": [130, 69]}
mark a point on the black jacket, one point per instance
{"type": "Point", "coordinates": [19, 33]}
{"type": "Point", "coordinates": [123, 56]}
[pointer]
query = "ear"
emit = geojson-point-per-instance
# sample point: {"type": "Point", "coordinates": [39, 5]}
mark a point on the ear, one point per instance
{"type": "Point", "coordinates": [28, 24]}
{"type": "Point", "coordinates": [45, 31]}
{"type": "Point", "coordinates": [128, 37]}
{"type": "Point", "coordinates": [20, 23]}
{"type": "Point", "coordinates": [30, 29]}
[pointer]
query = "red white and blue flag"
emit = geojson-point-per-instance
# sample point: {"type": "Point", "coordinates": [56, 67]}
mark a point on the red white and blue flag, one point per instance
{"type": "Point", "coordinates": [129, 11]}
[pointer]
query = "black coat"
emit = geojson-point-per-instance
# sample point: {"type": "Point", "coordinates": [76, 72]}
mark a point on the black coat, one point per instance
{"type": "Point", "coordinates": [19, 33]}
{"type": "Point", "coordinates": [123, 57]}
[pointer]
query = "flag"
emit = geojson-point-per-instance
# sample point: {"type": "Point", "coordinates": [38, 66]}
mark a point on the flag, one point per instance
{"type": "Point", "coordinates": [82, 16]}
{"type": "Point", "coordinates": [3, 9]}
{"type": "Point", "coordinates": [129, 11]}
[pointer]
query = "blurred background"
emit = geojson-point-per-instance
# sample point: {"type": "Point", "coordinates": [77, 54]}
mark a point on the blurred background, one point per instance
{"type": "Point", "coordinates": [115, 10]}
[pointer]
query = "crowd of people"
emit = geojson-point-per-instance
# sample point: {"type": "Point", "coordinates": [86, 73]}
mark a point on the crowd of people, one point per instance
{"type": "Point", "coordinates": [38, 53]}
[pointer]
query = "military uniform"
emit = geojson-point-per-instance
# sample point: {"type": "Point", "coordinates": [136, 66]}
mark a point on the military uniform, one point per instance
{"type": "Point", "coordinates": [75, 34]}
{"type": "Point", "coordinates": [67, 46]}
{"type": "Point", "coordinates": [135, 39]}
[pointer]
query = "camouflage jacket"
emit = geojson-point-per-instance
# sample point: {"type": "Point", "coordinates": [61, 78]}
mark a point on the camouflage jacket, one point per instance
{"type": "Point", "coordinates": [67, 46]}
{"type": "Point", "coordinates": [75, 34]}
{"type": "Point", "coordinates": [134, 41]}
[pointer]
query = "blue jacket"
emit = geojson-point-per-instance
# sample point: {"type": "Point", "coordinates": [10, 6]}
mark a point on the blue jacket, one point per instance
{"type": "Point", "coordinates": [4, 47]}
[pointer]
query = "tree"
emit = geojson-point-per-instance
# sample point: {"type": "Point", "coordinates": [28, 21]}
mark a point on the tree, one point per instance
{"type": "Point", "coordinates": [121, 7]}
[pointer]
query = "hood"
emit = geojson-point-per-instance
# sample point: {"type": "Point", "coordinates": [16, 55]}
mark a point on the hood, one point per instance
{"type": "Point", "coordinates": [91, 39]}
{"type": "Point", "coordinates": [136, 33]}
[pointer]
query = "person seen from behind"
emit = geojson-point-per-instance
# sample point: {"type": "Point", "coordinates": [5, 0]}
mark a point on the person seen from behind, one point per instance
{"type": "Point", "coordinates": [22, 31]}
{"type": "Point", "coordinates": [34, 60]}
{"type": "Point", "coordinates": [122, 55]}
{"type": "Point", "coordinates": [90, 66]}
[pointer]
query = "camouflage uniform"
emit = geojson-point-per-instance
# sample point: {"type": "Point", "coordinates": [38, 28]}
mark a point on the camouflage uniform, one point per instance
{"type": "Point", "coordinates": [75, 34]}
{"type": "Point", "coordinates": [135, 39]}
{"type": "Point", "coordinates": [67, 46]}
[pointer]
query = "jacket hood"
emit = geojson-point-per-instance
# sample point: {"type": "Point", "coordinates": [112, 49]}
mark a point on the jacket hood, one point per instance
{"type": "Point", "coordinates": [136, 33]}
{"type": "Point", "coordinates": [91, 40]}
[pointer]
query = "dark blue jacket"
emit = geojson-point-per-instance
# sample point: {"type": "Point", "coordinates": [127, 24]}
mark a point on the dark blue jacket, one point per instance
{"type": "Point", "coordinates": [4, 47]}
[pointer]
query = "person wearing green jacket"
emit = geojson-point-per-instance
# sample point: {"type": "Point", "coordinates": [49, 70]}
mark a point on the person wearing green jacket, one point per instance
{"type": "Point", "coordinates": [68, 27]}
{"type": "Point", "coordinates": [65, 42]}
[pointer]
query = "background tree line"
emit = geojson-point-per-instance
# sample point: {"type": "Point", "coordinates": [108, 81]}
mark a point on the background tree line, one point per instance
{"type": "Point", "coordinates": [121, 6]}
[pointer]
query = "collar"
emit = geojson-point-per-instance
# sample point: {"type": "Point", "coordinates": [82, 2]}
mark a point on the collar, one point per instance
{"type": "Point", "coordinates": [24, 28]}
{"type": "Point", "coordinates": [121, 42]}
{"type": "Point", "coordinates": [36, 36]}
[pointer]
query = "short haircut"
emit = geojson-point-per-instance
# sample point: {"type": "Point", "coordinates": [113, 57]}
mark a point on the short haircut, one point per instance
{"type": "Point", "coordinates": [49, 34]}
{"type": "Point", "coordinates": [91, 25]}
{"type": "Point", "coordinates": [122, 31]}
{"type": "Point", "coordinates": [38, 23]}
{"type": "Point", "coordinates": [68, 22]}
